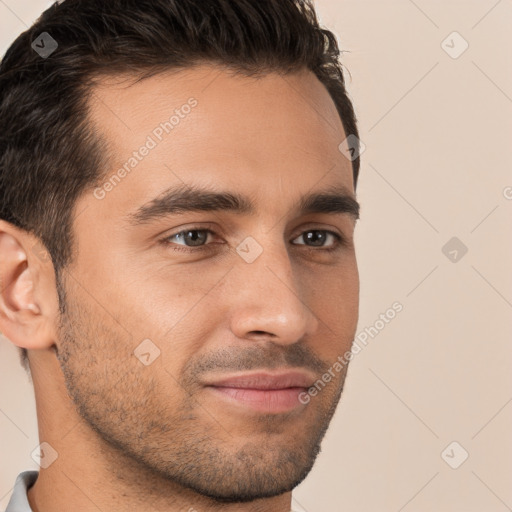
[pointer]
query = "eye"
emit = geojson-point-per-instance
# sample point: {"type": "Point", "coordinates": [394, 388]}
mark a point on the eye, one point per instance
{"type": "Point", "coordinates": [192, 237]}
{"type": "Point", "coordinates": [318, 237]}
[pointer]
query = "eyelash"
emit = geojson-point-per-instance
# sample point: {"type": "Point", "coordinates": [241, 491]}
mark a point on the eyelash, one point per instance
{"type": "Point", "coordinates": [340, 241]}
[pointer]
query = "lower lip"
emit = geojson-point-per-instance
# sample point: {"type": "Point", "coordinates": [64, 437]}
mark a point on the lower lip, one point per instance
{"type": "Point", "coordinates": [262, 400]}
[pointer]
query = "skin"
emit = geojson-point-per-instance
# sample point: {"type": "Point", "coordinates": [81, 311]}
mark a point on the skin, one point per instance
{"type": "Point", "coordinates": [136, 437]}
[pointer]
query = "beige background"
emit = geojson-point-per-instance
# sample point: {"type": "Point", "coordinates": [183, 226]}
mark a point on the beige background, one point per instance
{"type": "Point", "coordinates": [437, 131]}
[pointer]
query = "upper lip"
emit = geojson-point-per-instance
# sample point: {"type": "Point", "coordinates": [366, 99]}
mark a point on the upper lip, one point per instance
{"type": "Point", "coordinates": [266, 380]}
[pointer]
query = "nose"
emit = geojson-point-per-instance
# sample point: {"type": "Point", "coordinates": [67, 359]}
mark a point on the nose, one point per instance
{"type": "Point", "coordinates": [270, 303]}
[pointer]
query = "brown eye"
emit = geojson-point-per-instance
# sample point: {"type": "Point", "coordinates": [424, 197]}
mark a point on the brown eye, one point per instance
{"type": "Point", "coordinates": [189, 240]}
{"type": "Point", "coordinates": [192, 237]}
{"type": "Point", "coordinates": [318, 238]}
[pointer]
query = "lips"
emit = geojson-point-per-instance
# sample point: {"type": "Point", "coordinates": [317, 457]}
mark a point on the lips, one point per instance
{"type": "Point", "coordinates": [263, 392]}
{"type": "Point", "coordinates": [266, 381]}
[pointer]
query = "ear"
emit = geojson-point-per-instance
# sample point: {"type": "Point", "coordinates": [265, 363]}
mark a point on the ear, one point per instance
{"type": "Point", "coordinates": [28, 294]}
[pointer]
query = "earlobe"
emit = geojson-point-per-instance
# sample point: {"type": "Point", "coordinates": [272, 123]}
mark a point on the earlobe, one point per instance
{"type": "Point", "coordinates": [23, 319]}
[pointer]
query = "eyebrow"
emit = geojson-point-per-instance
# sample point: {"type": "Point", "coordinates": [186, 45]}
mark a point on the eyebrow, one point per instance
{"type": "Point", "coordinates": [335, 199]}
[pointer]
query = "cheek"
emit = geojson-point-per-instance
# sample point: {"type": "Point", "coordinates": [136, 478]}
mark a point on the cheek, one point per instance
{"type": "Point", "coordinates": [156, 300]}
{"type": "Point", "coordinates": [334, 290]}
{"type": "Point", "coordinates": [334, 298]}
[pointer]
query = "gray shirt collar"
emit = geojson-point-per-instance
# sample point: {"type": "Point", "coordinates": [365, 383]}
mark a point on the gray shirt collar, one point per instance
{"type": "Point", "coordinates": [19, 499]}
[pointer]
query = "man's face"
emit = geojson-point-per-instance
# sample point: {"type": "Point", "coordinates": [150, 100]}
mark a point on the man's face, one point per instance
{"type": "Point", "coordinates": [161, 301]}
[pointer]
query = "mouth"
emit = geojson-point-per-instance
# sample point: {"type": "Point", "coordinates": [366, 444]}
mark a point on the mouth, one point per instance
{"type": "Point", "coordinates": [263, 392]}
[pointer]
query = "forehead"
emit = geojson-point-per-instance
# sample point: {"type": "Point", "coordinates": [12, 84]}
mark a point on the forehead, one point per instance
{"type": "Point", "coordinates": [207, 126]}
{"type": "Point", "coordinates": [123, 103]}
